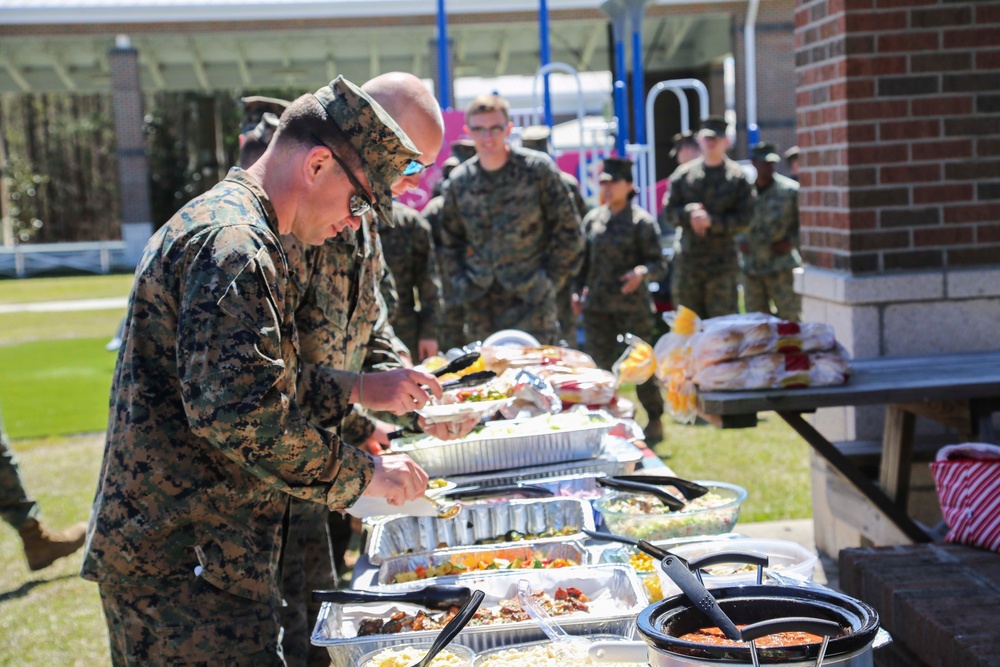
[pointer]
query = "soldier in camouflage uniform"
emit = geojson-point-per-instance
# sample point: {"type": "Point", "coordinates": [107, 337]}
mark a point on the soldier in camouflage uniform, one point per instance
{"type": "Point", "coordinates": [451, 322]}
{"type": "Point", "coordinates": [409, 253]}
{"type": "Point", "coordinates": [510, 231]}
{"type": "Point", "coordinates": [710, 201]}
{"type": "Point", "coordinates": [206, 442]}
{"type": "Point", "coordinates": [769, 250]}
{"type": "Point", "coordinates": [536, 138]}
{"type": "Point", "coordinates": [42, 546]}
{"type": "Point", "coordinates": [622, 256]}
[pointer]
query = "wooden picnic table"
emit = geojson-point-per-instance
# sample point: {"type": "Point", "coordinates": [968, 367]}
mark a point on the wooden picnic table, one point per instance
{"type": "Point", "coordinates": [960, 390]}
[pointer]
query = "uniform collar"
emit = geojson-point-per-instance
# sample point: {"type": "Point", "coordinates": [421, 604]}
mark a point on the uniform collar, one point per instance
{"type": "Point", "coordinates": [241, 177]}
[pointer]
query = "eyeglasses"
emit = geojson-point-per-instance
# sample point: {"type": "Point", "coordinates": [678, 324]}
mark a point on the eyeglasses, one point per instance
{"type": "Point", "coordinates": [479, 131]}
{"type": "Point", "coordinates": [414, 168]}
{"type": "Point", "coordinates": [358, 204]}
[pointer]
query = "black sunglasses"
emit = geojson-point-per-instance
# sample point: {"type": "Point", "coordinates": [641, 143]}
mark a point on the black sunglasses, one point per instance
{"type": "Point", "coordinates": [359, 204]}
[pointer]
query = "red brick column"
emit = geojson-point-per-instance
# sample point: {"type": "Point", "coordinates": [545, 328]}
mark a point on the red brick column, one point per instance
{"type": "Point", "coordinates": [899, 117]}
{"type": "Point", "coordinates": [133, 162]}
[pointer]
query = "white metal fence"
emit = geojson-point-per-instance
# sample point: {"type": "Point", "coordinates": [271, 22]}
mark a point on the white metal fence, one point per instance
{"type": "Point", "coordinates": [91, 257]}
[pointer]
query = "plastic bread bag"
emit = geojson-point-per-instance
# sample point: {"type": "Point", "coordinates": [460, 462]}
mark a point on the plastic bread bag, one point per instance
{"type": "Point", "coordinates": [673, 356]}
{"type": "Point", "coordinates": [776, 371]}
{"type": "Point", "coordinates": [585, 386]}
{"type": "Point", "coordinates": [533, 396]}
{"type": "Point", "coordinates": [737, 336]}
{"type": "Point", "coordinates": [637, 363]}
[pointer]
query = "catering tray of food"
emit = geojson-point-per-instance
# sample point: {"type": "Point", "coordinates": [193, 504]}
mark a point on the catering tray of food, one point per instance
{"type": "Point", "coordinates": [547, 654]}
{"type": "Point", "coordinates": [586, 600]}
{"type": "Point", "coordinates": [539, 519]}
{"type": "Point", "coordinates": [484, 559]}
{"type": "Point", "coordinates": [511, 444]}
{"type": "Point", "coordinates": [619, 457]}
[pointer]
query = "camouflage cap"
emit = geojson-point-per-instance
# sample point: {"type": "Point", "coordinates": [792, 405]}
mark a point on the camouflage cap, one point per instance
{"type": "Point", "coordinates": [616, 169]}
{"type": "Point", "coordinates": [463, 149]}
{"type": "Point", "coordinates": [682, 139]}
{"type": "Point", "coordinates": [765, 152]}
{"type": "Point", "coordinates": [449, 165]}
{"type": "Point", "coordinates": [383, 147]}
{"type": "Point", "coordinates": [713, 126]}
{"type": "Point", "coordinates": [536, 137]}
{"type": "Point", "coordinates": [792, 153]}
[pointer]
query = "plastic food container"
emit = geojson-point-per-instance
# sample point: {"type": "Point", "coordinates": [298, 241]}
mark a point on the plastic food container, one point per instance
{"type": "Point", "coordinates": [653, 525]}
{"type": "Point", "coordinates": [408, 654]}
{"type": "Point", "coordinates": [543, 654]}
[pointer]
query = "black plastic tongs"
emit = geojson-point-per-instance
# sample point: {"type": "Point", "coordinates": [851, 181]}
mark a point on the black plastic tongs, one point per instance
{"type": "Point", "coordinates": [457, 364]}
{"type": "Point", "coordinates": [651, 484]}
{"type": "Point", "coordinates": [470, 380]}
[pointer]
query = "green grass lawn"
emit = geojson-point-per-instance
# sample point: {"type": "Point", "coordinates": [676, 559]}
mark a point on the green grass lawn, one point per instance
{"type": "Point", "coordinates": [64, 289]}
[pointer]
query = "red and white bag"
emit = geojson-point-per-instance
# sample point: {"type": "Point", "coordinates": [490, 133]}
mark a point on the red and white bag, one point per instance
{"type": "Point", "coordinates": [967, 478]}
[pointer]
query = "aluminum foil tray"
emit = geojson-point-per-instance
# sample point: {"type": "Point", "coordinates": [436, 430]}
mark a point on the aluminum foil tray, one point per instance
{"type": "Point", "coordinates": [489, 656]}
{"type": "Point", "coordinates": [573, 551]}
{"type": "Point", "coordinates": [615, 593]}
{"type": "Point", "coordinates": [398, 535]}
{"type": "Point", "coordinates": [483, 452]}
{"type": "Point", "coordinates": [619, 457]}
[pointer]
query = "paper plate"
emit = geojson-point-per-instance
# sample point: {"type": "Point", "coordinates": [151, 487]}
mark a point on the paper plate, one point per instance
{"type": "Point", "coordinates": [455, 412]}
{"type": "Point", "coordinates": [366, 507]}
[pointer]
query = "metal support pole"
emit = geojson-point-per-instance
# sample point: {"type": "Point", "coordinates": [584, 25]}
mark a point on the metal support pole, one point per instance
{"type": "Point", "coordinates": [444, 77]}
{"type": "Point", "coordinates": [545, 55]}
{"type": "Point", "coordinates": [636, 10]}
{"type": "Point", "coordinates": [617, 13]}
{"type": "Point", "coordinates": [750, 67]}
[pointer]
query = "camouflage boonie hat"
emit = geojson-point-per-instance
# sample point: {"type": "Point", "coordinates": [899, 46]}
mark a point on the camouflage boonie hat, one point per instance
{"type": "Point", "coordinates": [463, 149]}
{"type": "Point", "coordinates": [383, 147]}
{"type": "Point", "coordinates": [765, 152]}
{"type": "Point", "coordinates": [254, 108]}
{"type": "Point", "coordinates": [536, 137]}
{"type": "Point", "coordinates": [713, 126]}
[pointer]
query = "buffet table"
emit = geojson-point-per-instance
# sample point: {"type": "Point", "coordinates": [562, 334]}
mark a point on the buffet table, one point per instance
{"type": "Point", "coordinates": [960, 390]}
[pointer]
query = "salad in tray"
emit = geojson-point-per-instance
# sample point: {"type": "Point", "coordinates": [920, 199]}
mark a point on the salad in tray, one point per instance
{"type": "Point", "coordinates": [564, 421]}
{"type": "Point", "coordinates": [643, 517]}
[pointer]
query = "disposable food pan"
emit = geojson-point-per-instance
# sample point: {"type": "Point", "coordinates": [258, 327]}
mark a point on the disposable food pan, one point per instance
{"type": "Point", "coordinates": [524, 654]}
{"type": "Point", "coordinates": [400, 535]}
{"type": "Point", "coordinates": [469, 557]}
{"type": "Point", "coordinates": [488, 450]}
{"type": "Point", "coordinates": [619, 457]}
{"type": "Point", "coordinates": [615, 594]}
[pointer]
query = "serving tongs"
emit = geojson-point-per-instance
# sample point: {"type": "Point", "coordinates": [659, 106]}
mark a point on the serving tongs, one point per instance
{"type": "Point", "coordinates": [452, 628]}
{"type": "Point", "coordinates": [670, 500]}
{"type": "Point", "coordinates": [457, 364]}
{"type": "Point", "coordinates": [470, 380]}
{"type": "Point", "coordinates": [690, 490]}
{"type": "Point", "coordinates": [527, 490]}
{"type": "Point", "coordinates": [436, 596]}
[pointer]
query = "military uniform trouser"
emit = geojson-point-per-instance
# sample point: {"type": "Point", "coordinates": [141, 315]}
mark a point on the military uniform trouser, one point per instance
{"type": "Point", "coordinates": [498, 309]}
{"type": "Point", "coordinates": [307, 565]}
{"type": "Point", "coordinates": [776, 287]}
{"type": "Point", "coordinates": [16, 507]}
{"type": "Point", "coordinates": [190, 623]}
{"type": "Point", "coordinates": [707, 293]}
{"type": "Point", "coordinates": [601, 330]}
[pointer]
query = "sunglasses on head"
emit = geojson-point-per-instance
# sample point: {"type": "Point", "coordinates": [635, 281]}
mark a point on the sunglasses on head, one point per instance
{"type": "Point", "coordinates": [358, 204]}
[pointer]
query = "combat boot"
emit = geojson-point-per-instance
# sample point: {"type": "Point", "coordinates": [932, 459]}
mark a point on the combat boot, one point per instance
{"type": "Point", "coordinates": [653, 432]}
{"type": "Point", "coordinates": [43, 547]}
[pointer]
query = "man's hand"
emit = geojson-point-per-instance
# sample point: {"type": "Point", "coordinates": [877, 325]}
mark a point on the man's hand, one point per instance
{"type": "Point", "coordinates": [630, 281]}
{"type": "Point", "coordinates": [700, 221]}
{"type": "Point", "coordinates": [397, 479]}
{"type": "Point", "coordinates": [449, 430]}
{"type": "Point", "coordinates": [426, 347]}
{"type": "Point", "coordinates": [398, 391]}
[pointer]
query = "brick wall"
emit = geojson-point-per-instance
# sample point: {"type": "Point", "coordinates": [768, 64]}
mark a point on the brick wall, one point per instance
{"type": "Point", "coordinates": [899, 124]}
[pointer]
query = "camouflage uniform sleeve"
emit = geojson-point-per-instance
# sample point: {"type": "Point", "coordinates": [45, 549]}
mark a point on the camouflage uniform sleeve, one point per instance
{"type": "Point", "coordinates": [675, 208]}
{"type": "Point", "coordinates": [648, 239]}
{"type": "Point", "coordinates": [235, 380]}
{"type": "Point", "coordinates": [580, 280]}
{"type": "Point", "coordinates": [428, 280]}
{"type": "Point", "coordinates": [737, 218]}
{"type": "Point", "coordinates": [356, 427]}
{"type": "Point", "coordinates": [566, 246]}
{"type": "Point", "coordinates": [453, 243]}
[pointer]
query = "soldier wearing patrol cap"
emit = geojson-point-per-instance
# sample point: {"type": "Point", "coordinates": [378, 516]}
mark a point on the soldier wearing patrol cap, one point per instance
{"type": "Point", "coordinates": [621, 257]}
{"type": "Point", "coordinates": [254, 143]}
{"type": "Point", "coordinates": [710, 201]}
{"type": "Point", "coordinates": [536, 137]}
{"type": "Point", "coordinates": [206, 442]}
{"type": "Point", "coordinates": [463, 149]}
{"type": "Point", "coordinates": [254, 108]}
{"type": "Point", "coordinates": [792, 161]}
{"type": "Point", "coordinates": [769, 250]}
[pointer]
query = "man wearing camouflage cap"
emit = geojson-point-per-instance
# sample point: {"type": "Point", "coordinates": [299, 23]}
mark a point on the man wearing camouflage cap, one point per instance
{"type": "Point", "coordinates": [769, 250]}
{"type": "Point", "coordinates": [709, 201]}
{"type": "Point", "coordinates": [536, 138]}
{"type": "Point", "coordinates": [206, 443]}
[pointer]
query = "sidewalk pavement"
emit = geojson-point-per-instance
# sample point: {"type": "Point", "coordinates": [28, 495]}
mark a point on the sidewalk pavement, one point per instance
{"type": "Point", "coordinates": [65, 306]}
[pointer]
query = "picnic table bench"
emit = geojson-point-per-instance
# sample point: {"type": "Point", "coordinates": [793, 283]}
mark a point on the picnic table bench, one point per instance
{"type": "Point", "coordinates": [959, 390]}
